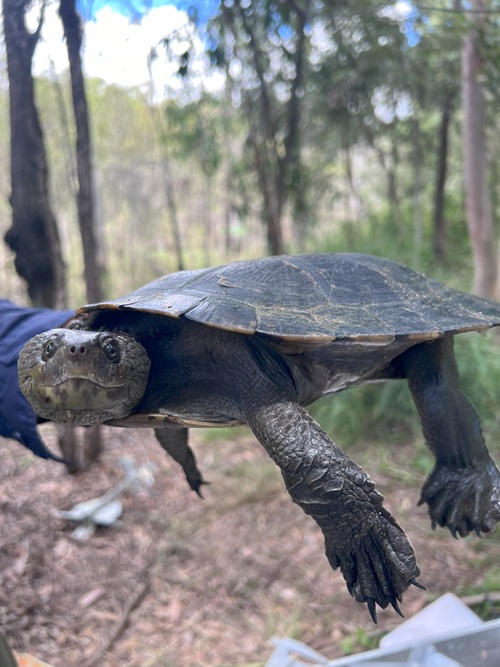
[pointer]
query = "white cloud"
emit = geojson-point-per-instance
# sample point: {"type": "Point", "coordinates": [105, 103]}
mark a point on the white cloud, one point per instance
{"type": "Point", "coordinates": [51, 51]}
{"type": "Point", "coordinates": [117, 50]}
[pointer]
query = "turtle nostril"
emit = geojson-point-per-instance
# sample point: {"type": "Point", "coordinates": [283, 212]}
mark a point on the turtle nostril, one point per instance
{"type": "Point", "coordinates": [78, 350]}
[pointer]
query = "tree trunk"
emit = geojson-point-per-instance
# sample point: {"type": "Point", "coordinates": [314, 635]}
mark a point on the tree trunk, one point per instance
{"type": "Point", "coordinates": [272, 191]}
{"type": "Point", "coordinates": [477, 196]}
{"type": "Point", "coordinates": [417, 212]}
{"type": "Point", "coordinates": [350, 215]}
{"type": "Point", "coordinates": [276, 142]}
{"type": "Point", "coordinates": [439, 236]}
{"type": "Point", "coordinates": [392, 185]}
{"type": "Point", "coordinates": [33, 235]}
{"type": "Point", "coordinates": [92, 255]}
{"type": "Point", "coordinates": [275, 243]}
{"type": "Point", "coordinates": [208, 231]}
{"type": "Point", "coordinates": [172, 209]}
{"type": "Point", "coordinates": [168, 184]}
{"type": "Point", "coordinates": [390, 174]}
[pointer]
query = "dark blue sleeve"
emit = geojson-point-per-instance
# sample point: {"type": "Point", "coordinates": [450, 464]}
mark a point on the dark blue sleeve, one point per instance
{"type": "Point", "coordinates": [17, 326]}
{"type": "Point", "coordinates": [17, 419]}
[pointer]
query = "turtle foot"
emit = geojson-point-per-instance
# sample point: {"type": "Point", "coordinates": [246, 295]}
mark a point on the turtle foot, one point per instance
{"type": "Point", "coordinates": [464, 500]}
{"type": "Point", "coordinates": [196, 484]}
{"type": "Point", "coordinates": [379, 567]}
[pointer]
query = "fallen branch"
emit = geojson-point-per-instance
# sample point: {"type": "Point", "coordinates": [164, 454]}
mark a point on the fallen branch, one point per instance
{"type": "Point", "coordinates": [134, 601]}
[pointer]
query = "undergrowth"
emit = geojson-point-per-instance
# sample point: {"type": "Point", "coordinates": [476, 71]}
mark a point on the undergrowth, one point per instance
{"type": "Point", "coordinates": [385, 411]}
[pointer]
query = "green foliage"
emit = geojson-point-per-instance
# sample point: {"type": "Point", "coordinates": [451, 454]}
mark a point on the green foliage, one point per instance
{"type": "Point", "coordinates": [385, 410]}
{"type": "Point", "coordinates": [488, 610]}
{"type": "Point", "coordinates": [367, 104]}
{"type": "Point", "coordinates": [369, 413]}
{"type": "Point", "coordinates": [478, 360]}
{"type": "Point", "coordinates": [491, 582]}
{"type": "Point", "coordinates": [375, 235]}
{"type": "Point", "coordinates": [195, 129]}
{"type": "Point", "coordinates": [360, 640]}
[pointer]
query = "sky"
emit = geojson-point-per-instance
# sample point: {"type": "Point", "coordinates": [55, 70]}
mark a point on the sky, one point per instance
{"type": "Point", "coordinates": [199, 10]}
{"type": "Point", "coordinates": [118, 38]}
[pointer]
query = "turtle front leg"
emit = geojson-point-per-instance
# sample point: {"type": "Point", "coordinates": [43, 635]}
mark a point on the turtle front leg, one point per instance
{"type": "Point", "coordinates": [361, 537]}
{"type": "Point", "coordinates": [463, 490]}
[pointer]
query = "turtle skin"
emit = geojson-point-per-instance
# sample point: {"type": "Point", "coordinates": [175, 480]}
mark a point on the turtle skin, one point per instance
{"type": "Point", "coordinates": [254, 342]}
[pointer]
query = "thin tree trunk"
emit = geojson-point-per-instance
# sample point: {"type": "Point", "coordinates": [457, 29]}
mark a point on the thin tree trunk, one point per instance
{"type": "Point", "coordinates": [392, 179]}
{"type": "Point", "coordinates": [272, 196]}
{"type": "Point", "coordinates": [417, 213]}
{"type": "Point", "coordinates": [477, 195]}
{"type": "Point", "coordinates": [64, 122]}
{"type": "Point", "coordinates": [290, 166]}
{"type": "Point", "coordinates": [207, 220]}
{"type": "Point", "coordinates": [172, 209]}
{"type": "Point", "coordinates": [33, 235]}
{"type": "Point", "coordinates": [349, 218]}
{"type": "Point", "coordinates": [390, 174]}
{"type": "Point", "coordinates": [439, 228]}
{"type": "Point", "coordinates": [228, 206]}
{"type": "Point", "coordinates": [274, 233]}
{"type": "Point", "coordinates": [357, 204]}
{"type": "Point", "coordinates": [92, 255]}
{"type": "Point", "coordinates": [277, 166]}
{"type": "Point", "coordinates": [168, 185]}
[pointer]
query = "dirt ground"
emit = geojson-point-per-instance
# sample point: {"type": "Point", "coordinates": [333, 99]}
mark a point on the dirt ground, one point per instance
{"type": "Point", "coordinates": [182, 582]}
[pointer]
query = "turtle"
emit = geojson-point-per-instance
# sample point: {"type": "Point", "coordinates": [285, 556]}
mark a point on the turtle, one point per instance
{"type": "Point", "coordinates": [255, 342]}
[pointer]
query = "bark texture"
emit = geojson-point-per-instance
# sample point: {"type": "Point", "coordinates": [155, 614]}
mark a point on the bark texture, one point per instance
{"type": "Point", "coordinates": [33, 235]}
{"type": "Point", "coordinates": [477, 195]}
{"type": "Point", "coordinates": [92, 255]}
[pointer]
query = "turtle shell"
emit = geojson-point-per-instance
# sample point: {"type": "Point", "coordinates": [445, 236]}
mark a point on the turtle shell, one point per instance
{"type": "Point", "coordinates": [321, 297]}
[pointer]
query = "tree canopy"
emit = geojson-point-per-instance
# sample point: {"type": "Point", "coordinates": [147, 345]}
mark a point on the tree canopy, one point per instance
{"type": "Point", "coordinates": [339, 125]}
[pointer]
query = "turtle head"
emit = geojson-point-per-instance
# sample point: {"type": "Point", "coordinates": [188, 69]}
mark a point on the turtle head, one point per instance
{"type": "Point", "coordinates": [83, 377]}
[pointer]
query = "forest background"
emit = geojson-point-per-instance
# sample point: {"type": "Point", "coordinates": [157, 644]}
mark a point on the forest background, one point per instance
{"type": "Point", "coordinates": [299, 126]}
{"type": "Point", "coordinates": [333, 126]}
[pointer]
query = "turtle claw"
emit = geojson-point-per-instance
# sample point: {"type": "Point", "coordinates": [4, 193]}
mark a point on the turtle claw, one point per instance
{"type": "Point", "coordinates": [463, 500]}
{"type": "Point", "coordinates": [379, 566]}
{"type": "Point", "coordinates": [418, 584]}
{"type": "Point", "coordinates": [372, 608]}
{"type": "Point", "coordinates": [396, 607]}
{"type": "Point", "coordinates": [196, 486]}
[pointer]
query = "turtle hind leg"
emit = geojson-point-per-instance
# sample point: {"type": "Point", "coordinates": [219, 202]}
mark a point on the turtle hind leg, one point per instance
{"type": "Point", "coordinates": [463, 490]}
{"type": "Point", "coordinates": [175, 442]}
{"type": "Point", "coordinates": [361, 537]}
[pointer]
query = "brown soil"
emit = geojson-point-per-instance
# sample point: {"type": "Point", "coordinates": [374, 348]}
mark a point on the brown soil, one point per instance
{"type": "Point", "coordinates": [182, 582]}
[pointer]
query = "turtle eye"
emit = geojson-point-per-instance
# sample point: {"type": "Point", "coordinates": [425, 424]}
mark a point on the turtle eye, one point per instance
{"type": "Point", "coordinates": [111, 350]}
{"type": "Point", "coordinates": [49, 350]}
